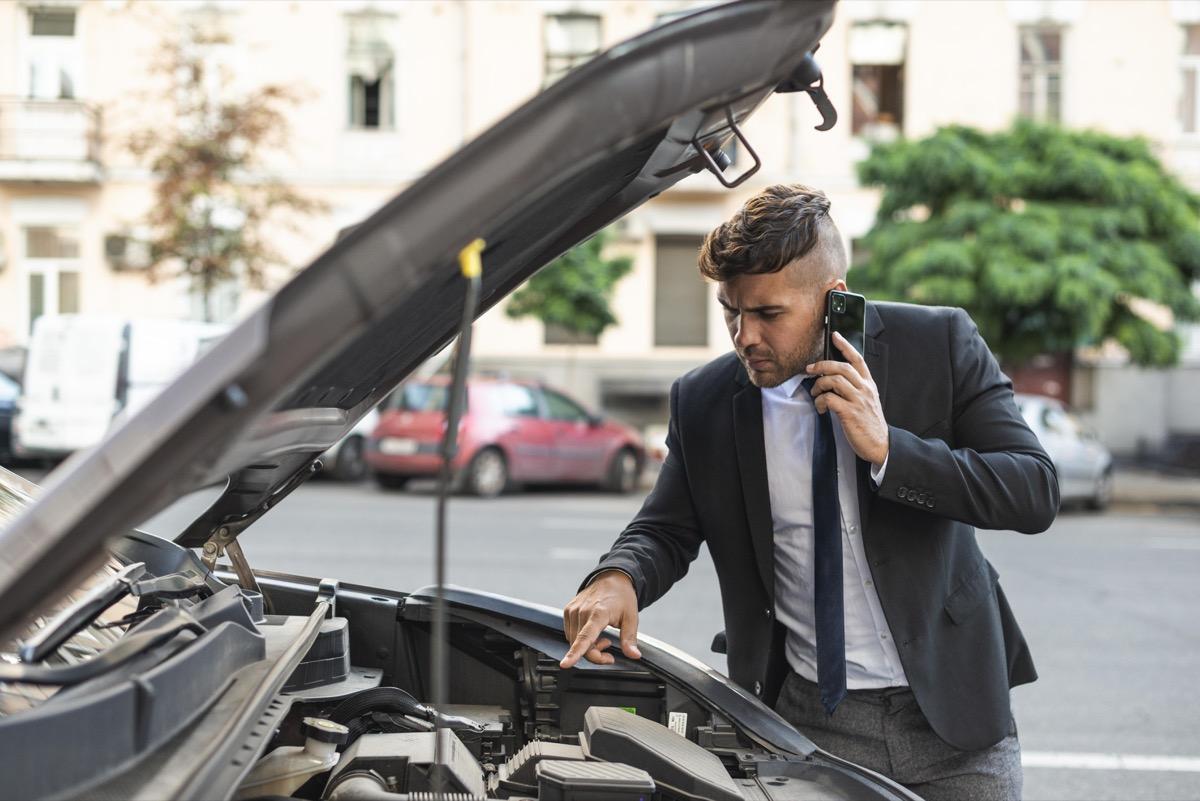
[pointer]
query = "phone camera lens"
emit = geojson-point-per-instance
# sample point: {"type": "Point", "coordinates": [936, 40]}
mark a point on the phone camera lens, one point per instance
{"type": "Point", "coordinates": [839, 304]}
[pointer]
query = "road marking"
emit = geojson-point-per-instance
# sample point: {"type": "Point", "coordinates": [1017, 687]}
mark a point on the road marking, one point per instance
{"type": "Point", "coordinates": [583, 524]}
{"type": "Point", "coordinates": [1084, 761]}
{"type": "Point", "coordinates": [574, 554]}
{"type": "Point", "coordinates": [1173, 544]}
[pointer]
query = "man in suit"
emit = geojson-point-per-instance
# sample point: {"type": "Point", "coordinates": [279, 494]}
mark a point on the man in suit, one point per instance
{"type": "Point", "coordinates": [839, 502]}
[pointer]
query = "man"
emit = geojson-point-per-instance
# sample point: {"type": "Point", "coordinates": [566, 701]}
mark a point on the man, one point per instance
{"type": "Point", "coordinates": [838, 501]}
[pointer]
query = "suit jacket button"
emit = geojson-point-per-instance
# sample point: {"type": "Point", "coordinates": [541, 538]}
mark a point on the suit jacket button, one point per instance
{"type": "Point", "coordinates": [912, 495]}
{"type": "Point", "coordinates": [758, 688]}
{"type": "Point", "coordinates": [930, 504]}
{"type": "Point", "coordinates": [900, 493]}
{"type": "Point", "coordinates": [922, 498]}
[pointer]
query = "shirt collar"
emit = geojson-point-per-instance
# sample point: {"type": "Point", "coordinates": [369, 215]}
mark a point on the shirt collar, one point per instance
{"type": "Point", "coordinates": [789, 388]}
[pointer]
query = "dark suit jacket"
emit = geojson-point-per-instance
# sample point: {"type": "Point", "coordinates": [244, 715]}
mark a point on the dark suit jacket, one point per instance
{"type": "Point", "coordinates": [960, 456]}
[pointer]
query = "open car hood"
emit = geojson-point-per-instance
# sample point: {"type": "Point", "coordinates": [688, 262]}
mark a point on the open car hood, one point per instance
{"type": "Point", "coordinates": [260, 407]}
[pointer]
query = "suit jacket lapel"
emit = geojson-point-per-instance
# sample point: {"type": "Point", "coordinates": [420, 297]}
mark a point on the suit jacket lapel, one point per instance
{"type": "Point", "coordinates": [877, 363]}
{"type": "Point", "coordinates": [752, 467]}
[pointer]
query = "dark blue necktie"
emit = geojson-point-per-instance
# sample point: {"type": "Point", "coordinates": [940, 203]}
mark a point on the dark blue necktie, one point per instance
{"type": "Point", "coordinates": [827, 564]}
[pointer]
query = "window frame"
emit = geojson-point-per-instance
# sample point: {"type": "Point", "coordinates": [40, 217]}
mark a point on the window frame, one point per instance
{"type": "Point", "coordinates": [67, 51]}
{"type": "Point", "coordinates": [1189, 61]}
{"type": "Point", "coordinates": [1039, 74]}
{"type": "Point", "coordinates": [574, 58]}
{"type": "Point", "coordinates": [386, 78]}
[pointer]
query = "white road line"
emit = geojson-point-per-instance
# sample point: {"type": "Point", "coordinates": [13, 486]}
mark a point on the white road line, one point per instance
{"type": "Point", "coordinates": [574, 554]}
{"type": "Point", "coordinates": [1084, 761]}
{"type": "Point", "coordinates": [582, 524]}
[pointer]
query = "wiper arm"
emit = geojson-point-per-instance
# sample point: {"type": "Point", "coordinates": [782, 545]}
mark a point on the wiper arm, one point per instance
{"type": "Point", "coordinates": [174, 622]}
{"type": "Point", "coordinates": [78, 615]}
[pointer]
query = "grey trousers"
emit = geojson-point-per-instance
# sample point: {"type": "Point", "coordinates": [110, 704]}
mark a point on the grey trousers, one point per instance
{"type": "Point", "coordinates": [885, 731]}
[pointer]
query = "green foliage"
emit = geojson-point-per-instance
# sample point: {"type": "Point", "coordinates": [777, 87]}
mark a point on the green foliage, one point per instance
{"type": "Point", "coordinates": [574, 290]}
{"type": "Point", "coordinates": [1044, 235]}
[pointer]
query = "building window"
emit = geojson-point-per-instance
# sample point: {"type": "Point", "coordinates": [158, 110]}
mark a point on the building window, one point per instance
{"type": "Point", "coordinates": [1041, 73]}
{"type": "Point", "coordinates": [680, 294]}
{"type": "Point", "coordinates": [52, 264]}
{"type": "Point", "coordinates": [53, 54]}
{"type": "Point", "coordinates": [877, 75]}
{"type": "Point", "coordinates": [371, 62]}
{"type": "Point", "coordinates": [568, 41]}
{"type": "Point", "coordinates": [1189, 101]}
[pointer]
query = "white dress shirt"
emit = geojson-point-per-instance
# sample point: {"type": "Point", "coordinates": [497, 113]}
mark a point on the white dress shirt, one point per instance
{"type": "Point", "coordinates": [789, 429]}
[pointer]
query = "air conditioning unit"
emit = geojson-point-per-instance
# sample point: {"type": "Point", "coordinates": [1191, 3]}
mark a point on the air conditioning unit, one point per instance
{"type": "Point", "coordinates": [126, 252]}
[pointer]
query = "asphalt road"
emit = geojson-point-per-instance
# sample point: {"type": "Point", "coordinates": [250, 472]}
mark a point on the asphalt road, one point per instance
{"type": "Point", "coordinates": [1109, 604]}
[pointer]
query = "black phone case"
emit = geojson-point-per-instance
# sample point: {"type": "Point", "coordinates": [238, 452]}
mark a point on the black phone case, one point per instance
{"type": "Point", "coordinates": [850, 322]}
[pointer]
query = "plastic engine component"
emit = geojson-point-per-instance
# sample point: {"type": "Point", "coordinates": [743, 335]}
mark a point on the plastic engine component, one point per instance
{"type": "Point", "coordinates": [592, 781]}
{"type": "Point", "coordinates": [407, 759]}
{"type": "Point", "coordinates": [521, 767]}
{"type": "Point", "coordinates": [611, 734]}
{"type": "Point", "coordinates": [327, 660]}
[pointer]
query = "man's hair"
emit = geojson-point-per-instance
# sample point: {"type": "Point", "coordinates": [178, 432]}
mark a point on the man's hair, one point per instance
{"type": "Point", "coordinates": [779, 225]}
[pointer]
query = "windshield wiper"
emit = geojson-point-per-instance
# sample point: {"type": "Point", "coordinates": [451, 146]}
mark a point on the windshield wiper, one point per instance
{"type": "Point", "coordinates": [78, 615]}
{"type": "Point", "coordinates": [126, 581]}
{"type": "Point", "coordinates": [174, 621]}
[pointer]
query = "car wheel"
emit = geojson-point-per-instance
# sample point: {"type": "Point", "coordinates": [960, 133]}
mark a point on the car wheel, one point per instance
{"type": "Point", "coordinates": [487, 474]}
{"type": "Point", "coordinates": [623, 472]}
{"type": "Point", "coordinates": [1102, 496]}
{"type": "Point", "coordinates": [351, 463]}
{"type": "Point", "coordinates": [391, 481]}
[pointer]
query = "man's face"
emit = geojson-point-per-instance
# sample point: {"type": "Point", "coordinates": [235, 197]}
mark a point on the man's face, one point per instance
{"type": "Point", "coordinates": [776, 320]}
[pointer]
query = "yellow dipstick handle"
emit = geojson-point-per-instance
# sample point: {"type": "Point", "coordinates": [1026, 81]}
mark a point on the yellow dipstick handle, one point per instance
{"type": "Point", "coordinates": [469, 260]}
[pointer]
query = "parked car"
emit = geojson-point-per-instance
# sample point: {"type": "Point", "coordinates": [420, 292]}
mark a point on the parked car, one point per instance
{"type": "Point", "coordinates": [346, 459]}
{"type": "Point", "coordinates": [510, 432]}
{"type": "Point", "coordinates": [9, 391]}
{"type": "Point", "coordinates": [82, 370]}
{"type": "Point", "coordinates": [135, 665]}
{"type": "Point", "coordinates": [1084, 464]}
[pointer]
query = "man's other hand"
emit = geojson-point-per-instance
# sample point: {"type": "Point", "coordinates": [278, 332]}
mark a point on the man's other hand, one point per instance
{"type": "Point", "coordinates": [608, 601]}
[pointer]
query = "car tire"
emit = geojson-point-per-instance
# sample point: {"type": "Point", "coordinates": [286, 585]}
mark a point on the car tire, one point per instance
{"type": "Point", "coordinates": [623, 472]}
{"type": "Point", "coordinates": [391, 481]}
{"type": "Point", "coordinates": [351, 462]}
{"type": "Point", "coordinates": [1102, 496]}
{"type": "Point", "coordinates": [487, 474]}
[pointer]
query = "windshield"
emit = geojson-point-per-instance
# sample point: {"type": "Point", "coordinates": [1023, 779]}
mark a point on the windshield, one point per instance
{"type": "Point", "coordinates": [15, 494]}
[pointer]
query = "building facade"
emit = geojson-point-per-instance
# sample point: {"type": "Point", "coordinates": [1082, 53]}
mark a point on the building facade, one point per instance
{"type": "Point", "coordinates": [390, 88]}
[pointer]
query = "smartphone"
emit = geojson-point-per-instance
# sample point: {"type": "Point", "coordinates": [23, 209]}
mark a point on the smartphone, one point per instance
{"type": "Point", "coordinates": [846, 313]}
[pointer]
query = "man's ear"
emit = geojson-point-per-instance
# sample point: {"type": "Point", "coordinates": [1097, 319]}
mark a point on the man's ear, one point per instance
{"type": "Point", "coordinates": [839, 285]}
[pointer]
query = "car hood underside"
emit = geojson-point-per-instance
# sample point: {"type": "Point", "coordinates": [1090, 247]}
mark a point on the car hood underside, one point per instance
{"type": "Point", "coordinates": [260, 407]}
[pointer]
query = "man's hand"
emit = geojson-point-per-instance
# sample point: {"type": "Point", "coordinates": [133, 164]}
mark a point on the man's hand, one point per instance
{"type": "Point", "coordinates": [849, 390]}
{"type": "Point", "coordinates": [608, 601]}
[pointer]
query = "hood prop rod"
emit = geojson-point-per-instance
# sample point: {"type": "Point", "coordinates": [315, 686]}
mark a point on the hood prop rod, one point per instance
{"type": "Point", "coordinates": [471, 265]}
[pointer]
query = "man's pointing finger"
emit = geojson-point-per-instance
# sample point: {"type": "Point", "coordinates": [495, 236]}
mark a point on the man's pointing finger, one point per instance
{"type": "Point", "coordinates": [585, 639]}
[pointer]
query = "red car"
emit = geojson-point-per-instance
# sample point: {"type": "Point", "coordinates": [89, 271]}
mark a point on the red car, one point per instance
{"type": "Point", "coordinates": [512, 432]}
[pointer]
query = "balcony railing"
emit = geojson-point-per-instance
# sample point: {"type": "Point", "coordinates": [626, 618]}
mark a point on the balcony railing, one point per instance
{"type": "Point", "coordinates": [49, 140]}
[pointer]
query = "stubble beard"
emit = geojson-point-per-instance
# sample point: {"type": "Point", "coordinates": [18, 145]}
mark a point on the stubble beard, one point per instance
{"type": "Point", "coordinates": [785, 366]}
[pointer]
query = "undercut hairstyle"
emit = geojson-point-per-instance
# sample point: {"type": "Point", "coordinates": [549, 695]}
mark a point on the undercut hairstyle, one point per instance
{"type": "Point", "coordinates": [779, 225]}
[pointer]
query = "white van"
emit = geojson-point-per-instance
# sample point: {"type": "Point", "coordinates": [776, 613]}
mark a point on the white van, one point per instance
{"type": "Point", "coordinates": [82, 370]}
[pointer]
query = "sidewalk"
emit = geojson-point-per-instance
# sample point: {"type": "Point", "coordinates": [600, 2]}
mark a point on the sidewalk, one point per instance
{"type": "Point", "coordinates": [1141, 487]}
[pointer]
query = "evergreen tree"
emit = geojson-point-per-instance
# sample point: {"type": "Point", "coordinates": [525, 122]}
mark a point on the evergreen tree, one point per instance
{"type": "Point", "coordinates": [1048, 237]}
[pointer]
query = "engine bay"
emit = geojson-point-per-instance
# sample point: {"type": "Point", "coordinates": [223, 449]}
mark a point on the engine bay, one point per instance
{"type": "Point", "coordinates": [161, 679]}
